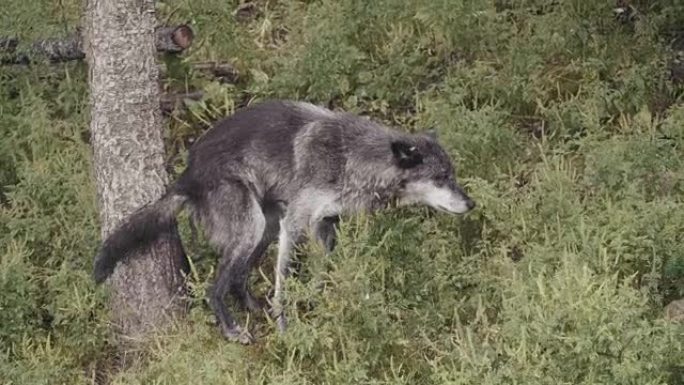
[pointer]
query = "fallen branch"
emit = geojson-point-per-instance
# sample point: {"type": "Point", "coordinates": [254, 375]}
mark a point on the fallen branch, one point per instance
{"type": "Point", "coordinates": [224, 72]}
{"type": "Point", "coordinates": [169, 39]}
{"type": "Point", "coordinates": [169, 102]}
{"type": "Point", "coordinates": [8, 43]}
{"type": "Point", "coordinates": [246, 12]}
{"type": "Point", "coordinates": [54, 50]}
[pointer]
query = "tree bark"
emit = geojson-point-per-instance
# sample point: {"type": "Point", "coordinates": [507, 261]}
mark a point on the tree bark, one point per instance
{"type": "Point", "coordinates": [128, 158]}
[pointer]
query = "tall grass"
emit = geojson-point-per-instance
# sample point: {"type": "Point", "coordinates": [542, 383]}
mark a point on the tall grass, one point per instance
{"type": "Point", "coordinates": [565, 127]}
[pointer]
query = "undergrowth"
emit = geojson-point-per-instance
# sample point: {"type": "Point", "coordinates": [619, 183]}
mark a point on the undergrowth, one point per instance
{"type": "Point", "coordinates": [566, 127]}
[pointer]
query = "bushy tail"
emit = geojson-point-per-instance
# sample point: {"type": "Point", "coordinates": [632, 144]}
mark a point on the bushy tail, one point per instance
{"type": "Point", "coordinates": [138, 231]}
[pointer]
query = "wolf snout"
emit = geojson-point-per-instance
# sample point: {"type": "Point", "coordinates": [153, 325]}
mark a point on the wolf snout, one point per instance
{"type": "Point", "coordinates": [464, 199]}
{"type": "Point", "coordinates": [464, 205]}
{"type": "Point", "coordinates": [470, 204]}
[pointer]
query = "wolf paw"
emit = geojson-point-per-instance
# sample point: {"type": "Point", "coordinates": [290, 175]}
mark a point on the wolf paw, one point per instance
{"type": "Point", "coordinates": [279, 316]}
{"type": "Point", "coordinates": [254, 304]}
{"type": "Point", "coordinates": [237, 334]}
{"type": "Point", "coordinates": [282, 323]}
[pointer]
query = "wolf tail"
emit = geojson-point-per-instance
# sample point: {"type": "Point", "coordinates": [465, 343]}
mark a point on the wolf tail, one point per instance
{"type": "Point", "coordinates": [139, 230]}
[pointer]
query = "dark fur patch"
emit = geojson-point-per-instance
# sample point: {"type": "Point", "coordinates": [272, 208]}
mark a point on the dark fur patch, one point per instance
{"type": "Point", "coordinates": [406, 154]}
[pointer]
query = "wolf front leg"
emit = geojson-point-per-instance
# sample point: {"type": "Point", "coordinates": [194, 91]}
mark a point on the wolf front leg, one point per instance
{"type": "Point", "coordinates": [287, 237]}
{"type": "Point", "coordinates": [326, 232]}
{"type": "Point", "coordinates": [292, 228]}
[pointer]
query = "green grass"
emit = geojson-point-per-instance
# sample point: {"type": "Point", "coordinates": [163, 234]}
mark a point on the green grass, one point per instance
{"type": "Point", "coordinates": [564, 125]}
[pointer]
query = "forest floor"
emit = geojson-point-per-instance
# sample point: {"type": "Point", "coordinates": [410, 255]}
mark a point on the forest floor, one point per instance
{"type": "Point", "coordinates": [566, 121]}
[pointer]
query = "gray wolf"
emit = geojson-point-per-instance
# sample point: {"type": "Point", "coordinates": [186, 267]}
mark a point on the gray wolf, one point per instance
{"type": "Point", "coordinates": [286, 170]}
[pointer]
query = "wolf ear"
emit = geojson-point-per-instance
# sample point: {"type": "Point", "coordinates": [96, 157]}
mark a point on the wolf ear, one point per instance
{"type": "Point", "coordinates": [406, 155]}
{"type": "Point", "coordinates": [431, 133]}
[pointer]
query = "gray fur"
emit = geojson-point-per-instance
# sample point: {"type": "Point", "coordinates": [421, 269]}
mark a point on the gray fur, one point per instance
{"type": "Point", "coordinates": [282, 169]}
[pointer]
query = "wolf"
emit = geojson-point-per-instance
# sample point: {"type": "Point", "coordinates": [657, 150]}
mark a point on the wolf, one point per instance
{"type": "Point", "coordinates": [286, 170]}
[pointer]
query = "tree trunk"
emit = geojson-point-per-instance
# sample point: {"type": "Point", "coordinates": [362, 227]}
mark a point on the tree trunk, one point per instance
{"type": "Point", "coordinates": [128, 158]}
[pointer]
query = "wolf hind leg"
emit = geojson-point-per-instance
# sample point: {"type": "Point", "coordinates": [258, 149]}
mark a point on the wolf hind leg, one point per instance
{"type": "Point", "coordinates": [240, 288]}
{"type": "Point", "coordinates": [235, 224]}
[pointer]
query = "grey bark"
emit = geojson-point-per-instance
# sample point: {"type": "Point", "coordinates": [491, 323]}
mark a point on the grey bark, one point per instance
{"type": "Point", "coordinates": [128, 158]}
{"type": "Point", "coordinates": [167, 39]}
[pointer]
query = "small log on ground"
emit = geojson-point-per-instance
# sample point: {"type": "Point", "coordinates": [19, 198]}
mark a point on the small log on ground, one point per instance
{"type": "Point", "coordinates": [168, 39]}
{"type": "Point", "coordinates": [174, 39]}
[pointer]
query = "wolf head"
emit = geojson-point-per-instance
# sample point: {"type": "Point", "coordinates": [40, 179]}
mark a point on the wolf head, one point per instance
{"type": "Point", "coordinates": [428, 175]}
